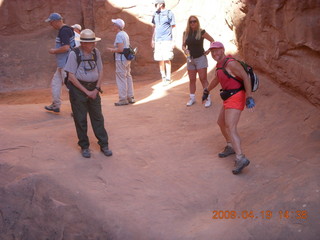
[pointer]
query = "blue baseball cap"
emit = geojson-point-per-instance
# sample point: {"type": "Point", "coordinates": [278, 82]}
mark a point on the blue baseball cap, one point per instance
{"type": "Point", "coordinates": [53, 17]}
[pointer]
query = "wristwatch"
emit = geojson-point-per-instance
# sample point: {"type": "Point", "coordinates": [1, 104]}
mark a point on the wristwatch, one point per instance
{"type": "Point", "coordinates": [99, 89]}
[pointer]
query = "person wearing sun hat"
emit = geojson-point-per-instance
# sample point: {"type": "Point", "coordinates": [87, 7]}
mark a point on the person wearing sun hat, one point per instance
{"type": "Point", "coordinates": [86, 80]}
{"type": "Point", "coordinates": [235, 97]}
{"type": "Point", "coordinates": [64, 42]}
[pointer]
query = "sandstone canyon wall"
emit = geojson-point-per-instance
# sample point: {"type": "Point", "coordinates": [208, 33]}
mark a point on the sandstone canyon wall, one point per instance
{"type": "Point", "coordinates": [280, 38]}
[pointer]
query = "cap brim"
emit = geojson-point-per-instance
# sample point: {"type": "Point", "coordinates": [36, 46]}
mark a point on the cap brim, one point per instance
{"type": "Point", "coordinates": [216, 48]}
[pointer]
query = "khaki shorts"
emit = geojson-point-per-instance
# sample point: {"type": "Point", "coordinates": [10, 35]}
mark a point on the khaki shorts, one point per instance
{"type": "Point", "coordinates": [163, 51]}
{"type": "Point", "coordinates": [198, 63]}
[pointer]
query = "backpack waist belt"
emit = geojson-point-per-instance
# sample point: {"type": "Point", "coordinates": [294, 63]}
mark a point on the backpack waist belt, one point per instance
{"type": "Point", "coordinates": [88, 84]}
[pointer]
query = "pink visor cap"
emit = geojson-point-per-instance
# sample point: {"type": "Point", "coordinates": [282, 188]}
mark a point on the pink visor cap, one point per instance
{"type": "Point", "coordinates": [216, 45]}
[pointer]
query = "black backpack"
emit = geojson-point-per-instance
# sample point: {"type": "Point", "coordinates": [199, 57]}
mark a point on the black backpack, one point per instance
{"type": "Point", "coordinates": [79, 60]}
{"type": "Point", "coordinates": [249, 70]}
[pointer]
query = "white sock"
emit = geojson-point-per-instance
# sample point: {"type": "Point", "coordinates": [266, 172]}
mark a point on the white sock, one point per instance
{"type": "Point", "coordinates": [192, 96]}
{"type": "Point", "coordinates": [163, 74]}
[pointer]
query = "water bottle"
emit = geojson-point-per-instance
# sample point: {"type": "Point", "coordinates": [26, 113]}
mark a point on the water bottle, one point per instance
{"type": "Point", "coordinates": [188, 56]}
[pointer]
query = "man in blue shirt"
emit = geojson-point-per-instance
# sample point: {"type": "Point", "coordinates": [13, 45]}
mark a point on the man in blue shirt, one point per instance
{"type": "Point", "coordinates": [64, 41]}
{"type": "Point", "coordinates": [163, 39]}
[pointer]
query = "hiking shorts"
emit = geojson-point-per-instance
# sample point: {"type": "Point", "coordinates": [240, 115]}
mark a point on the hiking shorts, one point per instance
{"type": "Point", "coordinates": [198, 63]}
{"type": "Point", "coordinates": [237, 101]}
{"type": "Point", "coordinates": [163, 51]}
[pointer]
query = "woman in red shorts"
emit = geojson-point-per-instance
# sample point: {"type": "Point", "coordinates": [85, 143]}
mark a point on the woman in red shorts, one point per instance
{"type": "Point", "coordinates": [235, 96]}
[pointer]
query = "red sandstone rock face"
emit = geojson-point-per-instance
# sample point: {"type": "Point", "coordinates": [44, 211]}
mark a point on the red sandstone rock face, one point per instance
{"type": "Point", "coordinates": [280, 38]}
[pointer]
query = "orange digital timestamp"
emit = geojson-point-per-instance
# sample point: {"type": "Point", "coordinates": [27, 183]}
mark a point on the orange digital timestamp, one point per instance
{"type": "Point", "coordinates": [267, 214]}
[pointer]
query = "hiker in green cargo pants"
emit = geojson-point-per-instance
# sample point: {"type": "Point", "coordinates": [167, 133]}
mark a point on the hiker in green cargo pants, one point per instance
{"type": "Point", "coordinates": [84, 83]}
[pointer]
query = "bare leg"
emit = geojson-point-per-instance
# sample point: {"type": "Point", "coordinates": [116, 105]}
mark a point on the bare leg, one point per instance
{"type": "Point", "coordinates": [232, 117]}
{"type": "Point", "coordinates": [168, 69]}
{"type": "Point", "coordinates": [192, 81]}
{"type": "Point", "coordinates": [162, 70]}
{"type": "Point", "coordinates": [203, 77]}
{"type": "Point", "coordinates": [222, 125]}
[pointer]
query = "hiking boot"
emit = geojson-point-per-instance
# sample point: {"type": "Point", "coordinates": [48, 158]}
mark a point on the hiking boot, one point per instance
{"type": "Point", "coordinates": [85, 153]}
{"type": "Point", "coordinates": [226, 152]}
{"type": "Point", "coordinates": [121, 103]}
{"type": "Point", "coordinates": [131, 100]}
{"type": "Point", "coordinates": [191, 102]}
{"type": "Point", "coordinates": [52, 108]}
{"type": "Point", "coordinates": [106, 151]}
{"type": "Point", "coordinates": [207, 103]}
{"type": "Point", "coordinates": [240, 164]}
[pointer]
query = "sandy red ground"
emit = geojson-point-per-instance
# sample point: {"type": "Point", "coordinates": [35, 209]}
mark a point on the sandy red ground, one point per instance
{"type": "Point", "coordinates": [165, 180]}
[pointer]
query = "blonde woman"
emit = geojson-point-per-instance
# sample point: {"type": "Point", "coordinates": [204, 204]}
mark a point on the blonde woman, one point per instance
{"type": "Point", "coordinates": [197, 60]}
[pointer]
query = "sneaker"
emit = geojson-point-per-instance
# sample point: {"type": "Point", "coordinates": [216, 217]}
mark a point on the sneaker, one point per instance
{"type": "Point", "coordinates": [121, 103]}
{"type": "Point", "coordinates": [52, 108]}
{"type": "Point", "coordinates": [191, 102]}
{"type": "Point", "coordinates": [207, 103]}
{"type": "Point", "coordinates": [163, 81]}
{"type": "Point", "coordinates": [226, 152]}
{"type": "Point", "coordinates": [240, 164]}
{"type": "Point", "coordinates": [85, 153]}
{"type": "Point", "coordinates": [106, 151]}
{"type": "Point", "coordinates": [167, 82]}
{"type": "Point", "coordinates": [131, 100]}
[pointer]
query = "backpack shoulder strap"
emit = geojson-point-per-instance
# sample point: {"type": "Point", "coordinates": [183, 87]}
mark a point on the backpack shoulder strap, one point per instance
{"type": "Point", "coordinates": [223, 68]}
{"type": "Point", "coordinates": [78, 55]}
{"type": "Point", "coordinates": [95, 55]}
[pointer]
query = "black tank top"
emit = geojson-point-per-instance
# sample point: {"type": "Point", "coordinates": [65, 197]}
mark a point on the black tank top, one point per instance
{"type": "Point", "coordinates": [195, 46]}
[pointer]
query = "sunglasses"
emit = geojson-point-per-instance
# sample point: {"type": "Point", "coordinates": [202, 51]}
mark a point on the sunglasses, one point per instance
{"type": "Point", "coordinates": [193, 21]}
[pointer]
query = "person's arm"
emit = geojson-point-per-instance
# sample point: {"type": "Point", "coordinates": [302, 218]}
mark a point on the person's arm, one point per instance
{"type": "Point", "coordinates": [72, 78]}
{"type": "Point", "coordinates": [118, 49]}
{"type": "Point", "coordinates": [62, 49]}
{"type": "Point", "coordinates": [153, 36]}
{"type": "Point", "coordinates": [174, 32]}
{"type": "Point", "coordinates": [211, 86]}
{"type": "Point", "coordinates": [184, 45]}
{"type": "Point", "coordinates": [235, 68]}
{"type": "Point", "coordinates": [64, 36]}
{"type": "Point", "coordinates": [210, 39]}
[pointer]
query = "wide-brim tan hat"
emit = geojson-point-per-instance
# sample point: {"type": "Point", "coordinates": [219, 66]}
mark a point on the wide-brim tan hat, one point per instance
{"type": "Point", "coordinates": [87, 35]}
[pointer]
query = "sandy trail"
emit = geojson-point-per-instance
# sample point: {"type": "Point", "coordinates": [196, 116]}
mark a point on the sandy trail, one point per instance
{"type": "Point", "coordinates": [165, 179]}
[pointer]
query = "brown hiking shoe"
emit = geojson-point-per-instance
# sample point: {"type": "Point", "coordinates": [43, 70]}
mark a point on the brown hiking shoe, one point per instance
{"type": "Point", "coordinates": [52, 108]}
{"type": "Point", "coordinates": [240, 164]}
{"type": "Point", "coordinates": [226, 152]}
